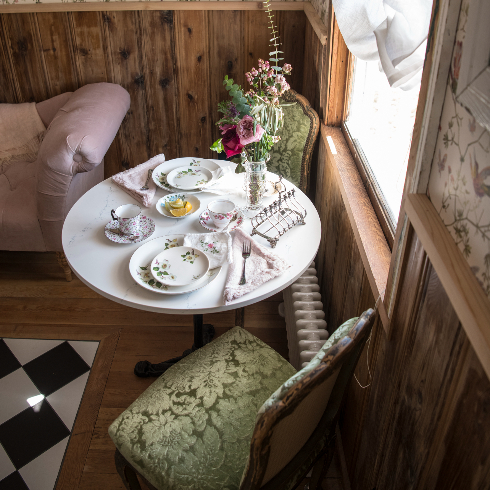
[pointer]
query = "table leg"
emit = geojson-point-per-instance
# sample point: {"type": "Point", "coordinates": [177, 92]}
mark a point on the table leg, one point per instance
{"type": "Point", "coordinates": [203, 334]}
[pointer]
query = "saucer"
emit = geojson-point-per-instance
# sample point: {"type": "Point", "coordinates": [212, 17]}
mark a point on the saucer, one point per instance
{"type": "Point", "coordinates": [112, 231]}
{"type": "Point", "coordinates": [206, 221]}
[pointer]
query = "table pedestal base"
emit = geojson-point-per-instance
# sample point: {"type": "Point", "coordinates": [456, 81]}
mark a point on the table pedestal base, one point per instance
{"type": "Point", "coordinates": [203, 334]}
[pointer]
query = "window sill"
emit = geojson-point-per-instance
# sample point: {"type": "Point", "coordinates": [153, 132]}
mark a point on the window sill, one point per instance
{"type": "Point", "coordinates": [370, 239]}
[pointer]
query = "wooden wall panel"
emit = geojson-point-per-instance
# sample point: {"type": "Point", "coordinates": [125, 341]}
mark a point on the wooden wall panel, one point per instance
{"type": "Point", "coordinates": [22, 44]}
{"type": "Point", "coordinates": [226, 58]}
{"type": "Point", "coordinates": [57, 52]}
{"type": "Point", "coordinates": [7, 87]}
{"type": "Point", "coordinates": [171, 62]}
{"type": "Point", "coordinates": [420, 422]}
{"type": "Point", "coordinates": [88, 46]}
{"type": "Point", "coordinates": [192, 60]}
{"type": "Point", "coordinates": [163, 124]}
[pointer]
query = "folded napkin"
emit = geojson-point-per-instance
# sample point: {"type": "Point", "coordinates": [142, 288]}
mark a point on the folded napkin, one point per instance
{"type": "Point", "coordinates": [261, 266]}
{"type": "Point", "coordinates": [134, 179]}
{"type": "Point", "coordinates": [229, 183]}
{"type": "Point", "coordinates": [216, 245]}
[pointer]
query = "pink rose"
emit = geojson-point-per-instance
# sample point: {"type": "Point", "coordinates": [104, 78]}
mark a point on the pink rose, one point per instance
{"type": "Point", "coordinates": [210, 245]}
{"type": "Point", "coordinates": [245, 131]}
{"type": "Point", "coordinates": [231, 142]}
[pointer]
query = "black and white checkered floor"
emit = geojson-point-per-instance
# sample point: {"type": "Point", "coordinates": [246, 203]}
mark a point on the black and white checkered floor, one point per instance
{"type": "Point", "coordinates": [41, 386]}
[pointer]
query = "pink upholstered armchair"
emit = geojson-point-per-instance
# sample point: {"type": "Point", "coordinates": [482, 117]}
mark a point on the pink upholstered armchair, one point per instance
{"type": "Point", "coordinates": [36, 195]}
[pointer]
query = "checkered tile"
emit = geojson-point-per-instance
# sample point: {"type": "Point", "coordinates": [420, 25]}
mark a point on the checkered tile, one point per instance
{"type": "Point", "coordinates": [41, 386]}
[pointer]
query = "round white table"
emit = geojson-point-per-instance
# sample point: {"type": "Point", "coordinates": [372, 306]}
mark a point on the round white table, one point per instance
{"type": "Point", "coordinates": [104, 265]}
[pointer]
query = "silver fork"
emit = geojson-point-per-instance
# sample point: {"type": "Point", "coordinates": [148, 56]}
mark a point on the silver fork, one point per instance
{"type": "Point", "coordinates": [246, 249]}
{"type": "Point", "coordinates": [145, 187]}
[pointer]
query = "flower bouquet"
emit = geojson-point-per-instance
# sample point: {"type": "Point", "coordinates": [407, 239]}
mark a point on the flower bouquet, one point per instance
{"type": "Point", "coordinates": [251, 120]}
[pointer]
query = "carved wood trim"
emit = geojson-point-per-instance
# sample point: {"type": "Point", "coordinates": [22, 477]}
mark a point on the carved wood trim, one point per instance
{"type": "Point", "coordinates": [467, 297]}
{"type": "Point", "coordinates": [343, 355]}
{"type": "Point", "coordinates": [147, 5]}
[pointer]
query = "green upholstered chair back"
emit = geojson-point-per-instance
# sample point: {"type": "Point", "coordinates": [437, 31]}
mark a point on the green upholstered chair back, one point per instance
{"type": "Point", "coordinates": [291, 156]}
{"type": "Point", "coordinates": [293, 432]}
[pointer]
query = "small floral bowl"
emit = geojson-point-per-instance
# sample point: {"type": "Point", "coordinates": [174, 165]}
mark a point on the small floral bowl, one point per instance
{"type": "Point", "coordinates": [195, 203]}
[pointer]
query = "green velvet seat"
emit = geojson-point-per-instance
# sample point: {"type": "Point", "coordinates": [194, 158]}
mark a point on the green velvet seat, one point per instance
{"type": "Point", "coordinates": [201, 425]}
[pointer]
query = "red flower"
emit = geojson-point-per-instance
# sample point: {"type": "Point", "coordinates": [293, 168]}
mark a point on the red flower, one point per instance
{"type": "Point", "coordinates": [231, 142]}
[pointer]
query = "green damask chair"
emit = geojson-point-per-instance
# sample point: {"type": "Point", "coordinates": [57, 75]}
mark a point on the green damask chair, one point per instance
{"type": "Point", "coordinates": [291, 156]}
{"type": "Point", "coordinates": [211, 423]}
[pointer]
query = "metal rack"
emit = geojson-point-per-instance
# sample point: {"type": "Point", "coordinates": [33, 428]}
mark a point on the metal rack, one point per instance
{"type": "Point", "coordinates": [279, 217]}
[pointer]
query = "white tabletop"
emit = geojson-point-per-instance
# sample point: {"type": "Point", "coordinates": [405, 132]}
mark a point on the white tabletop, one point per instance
{"type": "Point", "coordinates": [104, 265]}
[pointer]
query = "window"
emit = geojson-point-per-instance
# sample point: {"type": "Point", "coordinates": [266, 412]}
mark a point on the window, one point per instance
{"type": "Point", "coordinates": [379, 129]}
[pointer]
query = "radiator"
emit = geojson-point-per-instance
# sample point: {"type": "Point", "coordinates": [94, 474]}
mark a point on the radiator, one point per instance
{"type": "Point", "coordinates": [305, 319]}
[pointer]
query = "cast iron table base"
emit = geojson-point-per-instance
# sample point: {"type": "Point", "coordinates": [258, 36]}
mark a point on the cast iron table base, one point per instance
{"type": "Point", "coordinates": [203, 334]}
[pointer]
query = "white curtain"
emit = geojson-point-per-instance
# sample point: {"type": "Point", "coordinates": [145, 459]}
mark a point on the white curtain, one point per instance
{"type": "Point", "coordinates": [393, 32]}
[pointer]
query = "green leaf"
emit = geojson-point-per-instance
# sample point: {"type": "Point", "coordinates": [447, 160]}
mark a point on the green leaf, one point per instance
{"type": "Point", "coordinates": [159, 273]}
{"type": "Point", "coordinates": [156, 268]}
{"type": "Point", "coordinates": [143, 268]}
{"type": "Point", "coordinates": [275, 52]}
{"type": "Point", "coordinates": [165, 273]}
{"type": "Point", "coordinates": [217, 145]}
{"type": "Point", "coordinates": [158, 284]}
{"type": "Point", "coordinates": [151, 282]}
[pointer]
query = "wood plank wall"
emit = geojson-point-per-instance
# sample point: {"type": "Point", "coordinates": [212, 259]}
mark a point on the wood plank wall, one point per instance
{"type": "Point", "coordinates": [171, 62]}
{"type": "Point", "coordinates": [423, 421]}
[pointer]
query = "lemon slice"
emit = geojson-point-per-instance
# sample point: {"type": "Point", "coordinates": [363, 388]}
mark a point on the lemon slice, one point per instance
{"type": "Point", "coordinates": [187, 206]}
{"type": "Point", "coordinates": [179, 212]}
{"type": "Point", "coordinates": [176, 204]}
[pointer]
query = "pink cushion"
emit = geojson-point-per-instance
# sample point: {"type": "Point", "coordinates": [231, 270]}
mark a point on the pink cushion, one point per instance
{"type": "Point", "coordinates": [19, 226]}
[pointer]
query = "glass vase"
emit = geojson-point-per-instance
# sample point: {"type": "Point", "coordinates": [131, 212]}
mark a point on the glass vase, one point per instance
{"type": "Point", "coordinates": [255, 184]}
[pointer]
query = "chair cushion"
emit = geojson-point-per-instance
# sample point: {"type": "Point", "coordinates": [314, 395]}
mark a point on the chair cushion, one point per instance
{"type": "Point", "coordinates": [278, 395]}
{"type": "Point", "coordinates": [287, 154]}
{"type": "Point", "coordinates": [191, 429]}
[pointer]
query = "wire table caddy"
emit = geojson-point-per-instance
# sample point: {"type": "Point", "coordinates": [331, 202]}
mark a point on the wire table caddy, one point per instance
{"type": "Point", "coordinates": [279, 217]}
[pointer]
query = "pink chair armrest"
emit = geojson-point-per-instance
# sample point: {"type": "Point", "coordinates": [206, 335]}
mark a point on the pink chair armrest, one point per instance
{"type": "Point", "coordinates": [76, 141]}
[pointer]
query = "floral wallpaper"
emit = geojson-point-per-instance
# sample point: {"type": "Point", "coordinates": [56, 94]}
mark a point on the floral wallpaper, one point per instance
{"type": "Point", "coordinates": [459, 185]}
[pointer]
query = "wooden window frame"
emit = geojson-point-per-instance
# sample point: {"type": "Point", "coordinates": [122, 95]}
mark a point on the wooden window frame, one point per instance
{"type": "Point", "coordinates": [386, 218]}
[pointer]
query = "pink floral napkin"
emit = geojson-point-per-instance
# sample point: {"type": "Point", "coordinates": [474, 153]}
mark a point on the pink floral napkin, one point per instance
{"type": "Point", "coordinates": [217, 246]}
{"type": "Point", "coordinates": [261, 266]}
{"type": "Point", "coordinates": [134, 179]}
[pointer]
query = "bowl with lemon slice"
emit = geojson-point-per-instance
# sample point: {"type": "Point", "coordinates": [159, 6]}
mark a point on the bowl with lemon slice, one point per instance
{"type": "Point", "coordinates": [178, 205]}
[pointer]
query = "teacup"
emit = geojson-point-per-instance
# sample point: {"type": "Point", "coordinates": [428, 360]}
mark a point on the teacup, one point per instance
{"type": "Point", "coordinates": [221, 212]}
{"type": "Point", "coordinates": [128, 218]}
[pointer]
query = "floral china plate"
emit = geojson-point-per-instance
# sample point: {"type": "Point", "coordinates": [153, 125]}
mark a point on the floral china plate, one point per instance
{"type": "Point", "coordinates": [190, 177]}
{"type": "Point", "coordinates": [193, 200]}
{"type": "Point", "coordinates": [179, 266]}
{"type": "Point", "coordinates": [160, 173]}
{"type": "Point", "coordinates": [140, 266]}
{"type": "Point", "coordinates": [112, 231]}
{"type": "Point", "coordinates": [206, 221]}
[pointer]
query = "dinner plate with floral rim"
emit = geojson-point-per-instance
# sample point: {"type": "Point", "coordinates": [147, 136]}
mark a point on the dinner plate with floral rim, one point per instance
{"type": "Point", "coordinates": [160, 173]}
{"type": "Point", "coordinates": [140, 267]}
{"type": "Point", "coordinates": [207, 222]}
{"type": "Point", "coordinates": [195, 203]}
{"type": "Point", "coordinates": [179, 266]}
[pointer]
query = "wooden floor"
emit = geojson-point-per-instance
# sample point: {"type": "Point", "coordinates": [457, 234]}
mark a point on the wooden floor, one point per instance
{"type": "Point", "coordinates": [34, 296]}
